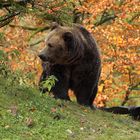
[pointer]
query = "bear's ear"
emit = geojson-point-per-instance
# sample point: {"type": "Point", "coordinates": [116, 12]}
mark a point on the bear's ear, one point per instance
{"type": "Point", "coordinates": [68, 37]}
{"type": "Point", "coordinates": [54, 25]}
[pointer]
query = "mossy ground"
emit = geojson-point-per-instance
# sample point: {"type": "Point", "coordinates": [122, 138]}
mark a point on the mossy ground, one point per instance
{"type": "Point", "coordinates": [26, 114]}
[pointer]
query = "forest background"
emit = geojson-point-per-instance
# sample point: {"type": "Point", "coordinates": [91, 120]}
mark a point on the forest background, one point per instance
{"type": "Point", "coordinates": [115, 24]}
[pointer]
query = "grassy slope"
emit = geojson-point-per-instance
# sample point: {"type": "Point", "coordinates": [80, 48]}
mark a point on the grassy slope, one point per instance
{"type": "Point", "coordinates": [25, 114]}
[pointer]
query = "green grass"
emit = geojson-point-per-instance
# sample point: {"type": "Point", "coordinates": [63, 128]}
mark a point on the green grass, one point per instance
{"type": "Point", "coordinates": [25, 114]}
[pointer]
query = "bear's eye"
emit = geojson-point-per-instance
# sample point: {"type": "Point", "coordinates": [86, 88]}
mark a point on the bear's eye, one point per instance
{"type": "Point", "coordinates": [50, 45]}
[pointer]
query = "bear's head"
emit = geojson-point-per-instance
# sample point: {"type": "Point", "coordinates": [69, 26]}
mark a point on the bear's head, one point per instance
{"type": "Point", "coordinates": [62, 45]}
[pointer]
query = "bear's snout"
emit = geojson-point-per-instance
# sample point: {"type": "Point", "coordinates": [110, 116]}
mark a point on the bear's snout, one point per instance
{"type": "Point", "coordinates": [42, 57]}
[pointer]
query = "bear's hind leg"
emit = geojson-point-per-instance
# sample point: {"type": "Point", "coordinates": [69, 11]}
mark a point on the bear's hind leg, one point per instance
{"type": "Point", "coordinates": [85, 89]}
{"type": "Point", "coordinates": [94, 92]}
{"type": "Point", "coordinates": [92, 97]}
{"type": "Point", "coordinates": [83, 94]}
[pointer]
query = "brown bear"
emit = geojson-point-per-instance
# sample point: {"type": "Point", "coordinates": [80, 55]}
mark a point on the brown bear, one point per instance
{"type": "Point", "coordinates": [72, 56]}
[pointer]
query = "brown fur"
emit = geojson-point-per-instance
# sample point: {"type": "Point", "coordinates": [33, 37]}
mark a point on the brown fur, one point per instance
{"type": "Point", "coordinates": [74, 59]}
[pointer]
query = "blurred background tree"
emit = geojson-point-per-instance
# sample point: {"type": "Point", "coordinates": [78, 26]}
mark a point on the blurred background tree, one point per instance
{"type": "Point", "coordinates": [114, 23]}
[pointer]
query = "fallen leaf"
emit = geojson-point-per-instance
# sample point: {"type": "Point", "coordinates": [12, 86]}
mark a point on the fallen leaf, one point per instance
{"type": "Point", "coordinates": [29, 122]}
{"type": "Point", "coordinates": [14, 110]}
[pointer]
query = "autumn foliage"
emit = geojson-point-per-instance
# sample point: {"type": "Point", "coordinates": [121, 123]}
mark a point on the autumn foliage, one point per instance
{"type": "Point", "coordinates": [114, 24]}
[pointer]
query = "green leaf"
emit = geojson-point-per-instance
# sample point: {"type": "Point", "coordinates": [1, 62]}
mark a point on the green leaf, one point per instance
{"type": "Point", "coordinates": [50, 82]}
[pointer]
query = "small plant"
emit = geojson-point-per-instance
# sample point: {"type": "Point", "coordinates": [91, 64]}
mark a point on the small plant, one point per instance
{"type": "Point", "coordinates": [49, 83]}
